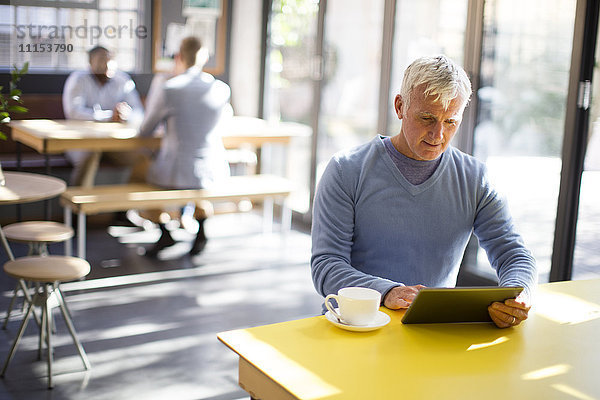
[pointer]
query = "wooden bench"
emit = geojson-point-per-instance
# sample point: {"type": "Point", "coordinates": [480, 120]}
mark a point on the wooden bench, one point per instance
{"type": "Point", "coordinates": [110, 198]}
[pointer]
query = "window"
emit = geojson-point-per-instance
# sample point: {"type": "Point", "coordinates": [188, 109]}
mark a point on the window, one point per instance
{"type": "Point", "coordinates": [56, 35]}
{"type": "Point", "coordinates": [424, 28]}
{"type": "Point", "coordinates": [522, 107]}
{"type": "Point", "coordinates": [350, 88]}
{"type": "Point", "coordinates": [289, 93]}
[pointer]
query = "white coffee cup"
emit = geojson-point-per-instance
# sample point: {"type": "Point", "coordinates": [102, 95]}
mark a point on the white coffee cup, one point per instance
{"type": "Point", "coordinates": [357, 305]}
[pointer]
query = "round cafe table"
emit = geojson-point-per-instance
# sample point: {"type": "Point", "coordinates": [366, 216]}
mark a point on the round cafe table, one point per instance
{"type": "Point", "coordinates": [25, 187]}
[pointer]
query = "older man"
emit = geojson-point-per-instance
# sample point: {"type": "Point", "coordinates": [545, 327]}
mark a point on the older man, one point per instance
{"type": "Point", "coordinates": [395, 214]}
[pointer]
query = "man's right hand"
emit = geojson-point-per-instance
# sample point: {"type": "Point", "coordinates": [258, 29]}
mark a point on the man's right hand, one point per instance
{"type": "Point", "coordinates": [401, 296]}
{"type": "Point", "coordinates": [121, 112]}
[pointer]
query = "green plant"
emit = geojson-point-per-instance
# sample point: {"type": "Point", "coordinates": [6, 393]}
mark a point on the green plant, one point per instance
{"type": "Point", "coordinates": [12, 103]}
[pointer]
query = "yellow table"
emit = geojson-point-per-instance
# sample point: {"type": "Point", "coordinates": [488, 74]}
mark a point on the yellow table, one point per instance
{"type": "Point", "coordinates": [555, 354]}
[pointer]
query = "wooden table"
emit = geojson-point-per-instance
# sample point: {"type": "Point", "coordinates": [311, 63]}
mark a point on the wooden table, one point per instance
{"type": "Point", "coordinates": [555, 354]}
{"type": "Point", "coordinates": [23, 187]}
{"type": "Point", "coordinates": [57, 136]}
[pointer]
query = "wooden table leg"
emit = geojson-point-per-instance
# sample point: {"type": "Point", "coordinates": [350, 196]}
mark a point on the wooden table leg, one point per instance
{"type": "Point", "coordinates": [260, 386]}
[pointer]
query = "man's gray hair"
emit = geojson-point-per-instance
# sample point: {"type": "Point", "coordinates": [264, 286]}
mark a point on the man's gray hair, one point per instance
{"type": "Point", "coordinates": [443, 78]}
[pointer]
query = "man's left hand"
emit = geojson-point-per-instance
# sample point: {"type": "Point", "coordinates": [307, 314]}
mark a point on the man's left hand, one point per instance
{"type": "Point", "coordinates": [510, 313]}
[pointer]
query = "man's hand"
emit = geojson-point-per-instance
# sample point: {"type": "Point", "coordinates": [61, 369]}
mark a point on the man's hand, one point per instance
{"type": "Point", "coordinates": [121, 112]}
{"type": "Point", "coordinates": [510, 313]}
{"type": "Point", "coordinates": [401, 296]}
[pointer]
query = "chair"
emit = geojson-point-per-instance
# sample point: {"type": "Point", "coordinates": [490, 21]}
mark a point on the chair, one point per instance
{"type": "Point", "coordinates": [37, 234]}
{"type": "Point", "coordinates": [49, 272]}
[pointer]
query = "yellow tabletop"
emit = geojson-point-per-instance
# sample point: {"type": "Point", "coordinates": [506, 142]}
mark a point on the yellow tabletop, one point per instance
{"type": "Point", "coordinates": [554, 354]}
{"type": "Point", "coordinates": [56, 136]}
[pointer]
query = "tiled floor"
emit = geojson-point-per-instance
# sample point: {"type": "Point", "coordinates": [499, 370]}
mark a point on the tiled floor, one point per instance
{"type": "Point", "coordinates": [149, 327]}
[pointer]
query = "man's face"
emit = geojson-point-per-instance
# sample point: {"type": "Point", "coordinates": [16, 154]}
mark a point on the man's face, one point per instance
{"type": "Point", "coordinates": [427, 128]}
{"type": "Point", "coordinates": [99, 62]}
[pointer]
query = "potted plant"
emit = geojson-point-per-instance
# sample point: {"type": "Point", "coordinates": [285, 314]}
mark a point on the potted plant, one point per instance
{"type": "Point", "coordinates": [11, 103]}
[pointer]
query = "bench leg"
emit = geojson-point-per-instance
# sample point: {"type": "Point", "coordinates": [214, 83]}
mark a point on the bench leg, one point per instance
{"type": "Point", "coordinates": [268, 215]}
{"type": "Point", "coordinates": [81, 235]}
{"type": "Point", "coordinates": [68, 218]}
{"type": "Point", "coordinates": [286, 217]}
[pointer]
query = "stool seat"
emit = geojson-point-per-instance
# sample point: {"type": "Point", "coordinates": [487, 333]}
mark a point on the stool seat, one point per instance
{"type": "Point", "coordinates": [38, 231]}
{"type": "Point", "coordinates": [44, 269]}
{"type": "Point", "coordinates": [38, 235]}
{"type": "Point", "coordinates": [47, 272]}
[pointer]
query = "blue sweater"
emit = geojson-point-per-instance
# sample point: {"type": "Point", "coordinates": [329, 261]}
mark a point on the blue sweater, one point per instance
{"type": "Point", "coordinates": [373, 228]}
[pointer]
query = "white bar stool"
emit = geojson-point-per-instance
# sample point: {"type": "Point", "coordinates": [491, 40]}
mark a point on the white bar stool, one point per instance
{"type": "Point", "coordinates": [49, 271]}
{"type": "Point", "coordinates": [37, 234]}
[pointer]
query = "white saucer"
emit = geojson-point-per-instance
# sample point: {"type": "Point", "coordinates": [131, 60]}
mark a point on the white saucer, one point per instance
{"type": "Point", "coordinates": [382, 319]}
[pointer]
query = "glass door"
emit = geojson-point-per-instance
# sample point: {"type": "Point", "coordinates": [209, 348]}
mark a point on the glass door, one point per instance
{"type": "Point", "coordinates": [423, 28]}
{"type": "Point", "coordinates": [586, 256]}
{"type": "Point", "coordinates": [352, 43]}
{"type": "Point", "coordinates": [524, 80]}
{"type": "Point", "coordinates": [323, 71]}
{"type": "Point", "coordinates": [586, 262]}
{"type": "Point", "coordinates": [289, 85]}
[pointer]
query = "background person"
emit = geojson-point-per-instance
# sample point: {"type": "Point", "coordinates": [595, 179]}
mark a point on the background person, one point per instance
{"type": "Point", "coordinates": [192, 154]}
{"type": "Point", "coordinates": [396, 213]}
{"type": "Point", "coordinates": [99, 94]}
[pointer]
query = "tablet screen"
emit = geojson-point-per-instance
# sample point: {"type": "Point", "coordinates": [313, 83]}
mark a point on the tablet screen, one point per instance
{"type": "Point", "coordinates": [464, 304]}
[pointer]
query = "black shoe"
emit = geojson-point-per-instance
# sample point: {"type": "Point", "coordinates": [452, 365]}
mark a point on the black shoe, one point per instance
{"type": "Point", "coordinates": [120, 218]}
{"type": "Point", "coordinates": [200, 241]}
{"type": "Point", "coordinates": [164, 241]}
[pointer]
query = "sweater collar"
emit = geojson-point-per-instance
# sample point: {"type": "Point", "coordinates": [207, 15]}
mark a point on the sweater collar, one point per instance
{"type": "Point", "coordinates": [409, 187]}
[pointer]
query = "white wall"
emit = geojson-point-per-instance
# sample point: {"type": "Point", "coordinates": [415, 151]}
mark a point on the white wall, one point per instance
{"type": "Point", "coordinates": [244, 73]}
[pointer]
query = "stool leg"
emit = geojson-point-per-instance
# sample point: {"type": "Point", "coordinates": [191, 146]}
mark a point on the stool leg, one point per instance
{"type": "Point", "coordinates": [23, 286]}
{"type": "Point", "coordinates": [11, 305]}
{"type": "Point", "coordinates": [65, 313]}
{"type": "Point", "coordinates": [38, 249]}
{"type": "Point", "coordinates": [42, 336]}
{"type": "Point", "coordinates": [60, 298]}
{"type": "Point", "coordinates": [5, 244]}
{"type": "Point", "coordinates": [68, 217]}
{"type": "Point", "coordinates": [48, 311]}
{"type": "Point", "coordinates": [19, 335]}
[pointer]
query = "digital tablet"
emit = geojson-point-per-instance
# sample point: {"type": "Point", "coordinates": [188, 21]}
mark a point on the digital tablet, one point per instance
{"type": "Point", "coordinates": [464, 304]}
